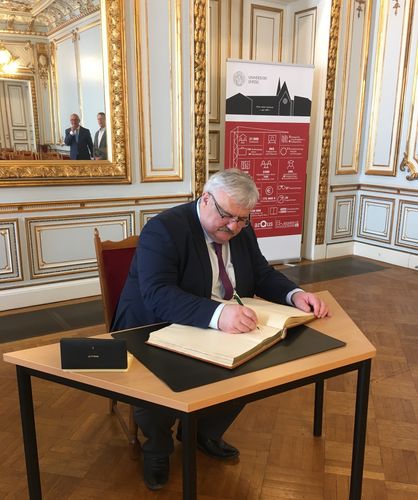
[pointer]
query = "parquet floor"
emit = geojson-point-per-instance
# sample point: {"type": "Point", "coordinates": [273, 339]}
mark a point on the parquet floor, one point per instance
{"type": "Point", "coordinates": [83, 454]}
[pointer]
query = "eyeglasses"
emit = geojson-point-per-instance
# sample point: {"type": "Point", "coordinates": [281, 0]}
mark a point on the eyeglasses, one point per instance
{"type": "Point", "coordinates": [241, 221]}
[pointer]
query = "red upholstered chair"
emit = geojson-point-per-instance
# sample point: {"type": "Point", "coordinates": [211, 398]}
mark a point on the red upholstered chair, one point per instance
{"type": "Point", "coordinates": [113, 262]}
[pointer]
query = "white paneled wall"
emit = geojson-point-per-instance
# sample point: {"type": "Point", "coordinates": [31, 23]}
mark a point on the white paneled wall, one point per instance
{"type": "Point", "coordinates": [374, 129]}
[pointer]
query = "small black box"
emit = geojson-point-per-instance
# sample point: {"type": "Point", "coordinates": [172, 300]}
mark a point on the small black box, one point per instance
{"type": "Point", "coordinates": [93, 354]}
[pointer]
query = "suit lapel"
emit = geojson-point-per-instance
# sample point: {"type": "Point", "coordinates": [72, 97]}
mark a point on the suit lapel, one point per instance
{"type": "Point", "coordinates": [201, 248]}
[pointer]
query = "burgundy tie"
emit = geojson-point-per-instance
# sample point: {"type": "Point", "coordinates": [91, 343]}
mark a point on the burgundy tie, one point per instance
{"type": "Point", "coordinates": [226, 282]}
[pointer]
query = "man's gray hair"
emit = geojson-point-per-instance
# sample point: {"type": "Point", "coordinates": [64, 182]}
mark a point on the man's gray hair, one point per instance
{"type": "Point", "coordinates": [238, 185]}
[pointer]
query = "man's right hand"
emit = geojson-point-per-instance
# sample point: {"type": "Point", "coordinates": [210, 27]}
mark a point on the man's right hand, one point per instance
{"type": "Point", "coordinates": [237, 319]}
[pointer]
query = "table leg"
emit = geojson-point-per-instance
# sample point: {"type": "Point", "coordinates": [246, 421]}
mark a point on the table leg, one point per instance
{"type": "Point", "coordinates": [189, 424]}
{"type": "Point", "coordinates": [29, 433]}
{"type": "Point", "coordinates": [360, 424]}
{"type": "Point", "coordinates": [318, 411]}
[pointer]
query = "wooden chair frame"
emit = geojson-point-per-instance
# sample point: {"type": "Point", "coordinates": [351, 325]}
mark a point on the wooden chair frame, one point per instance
{"type": "Point", "coordinates": [130, 243]}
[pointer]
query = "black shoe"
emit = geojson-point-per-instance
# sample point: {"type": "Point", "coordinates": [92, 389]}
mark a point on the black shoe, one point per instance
{"type": "Point", "coordinates": [155, 472]}
{"type": "Point", "coordinates": [217, 448]}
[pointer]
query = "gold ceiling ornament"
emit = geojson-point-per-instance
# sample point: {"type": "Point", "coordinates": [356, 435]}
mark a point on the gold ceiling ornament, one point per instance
{"type": "Point", "coordinates": [396, 6]}
{"type": "Point", "coordinates": [8, 63]}
{"type": "Point", "coordinates": [360, 6]}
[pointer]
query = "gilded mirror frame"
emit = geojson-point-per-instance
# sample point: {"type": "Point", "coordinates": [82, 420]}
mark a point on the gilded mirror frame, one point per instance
{"type": "Point", "coordinates": [72, 172]}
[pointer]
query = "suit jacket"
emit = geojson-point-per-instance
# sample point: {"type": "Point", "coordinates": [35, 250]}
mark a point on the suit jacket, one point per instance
{"type": "Point", "coordinates": [83, 149]}
{"type": "Point", "coordinates": [170, 278]}
{"type": "Point", "coordinates": [100, 150]}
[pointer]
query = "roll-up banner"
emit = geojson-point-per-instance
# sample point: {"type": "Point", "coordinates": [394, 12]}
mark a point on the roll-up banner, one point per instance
{"type": "Point", "coordinates": [268, 108]}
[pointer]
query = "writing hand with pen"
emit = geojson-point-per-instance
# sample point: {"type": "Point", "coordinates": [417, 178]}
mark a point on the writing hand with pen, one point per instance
{"type": "Point", "coordinates": [237, 318]}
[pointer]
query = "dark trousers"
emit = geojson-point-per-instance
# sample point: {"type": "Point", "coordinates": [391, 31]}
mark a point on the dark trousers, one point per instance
{"type": "Point", "coordinates": [156, 425]}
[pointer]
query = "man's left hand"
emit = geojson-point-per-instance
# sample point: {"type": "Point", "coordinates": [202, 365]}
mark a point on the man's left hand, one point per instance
{"type": "Point", "coordinates": [309, 302]}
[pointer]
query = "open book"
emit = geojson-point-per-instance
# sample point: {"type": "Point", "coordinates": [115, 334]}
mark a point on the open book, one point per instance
{"type": "Point", "coordinates": [232, 349]}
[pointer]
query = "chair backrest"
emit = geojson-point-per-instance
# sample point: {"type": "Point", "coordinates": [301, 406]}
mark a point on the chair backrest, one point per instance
{"type": "Point", "coordinates": [113, 262]}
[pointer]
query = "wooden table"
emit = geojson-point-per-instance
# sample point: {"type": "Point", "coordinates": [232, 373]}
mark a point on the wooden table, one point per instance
{"type": "Point", "coordinates": [140, 386]}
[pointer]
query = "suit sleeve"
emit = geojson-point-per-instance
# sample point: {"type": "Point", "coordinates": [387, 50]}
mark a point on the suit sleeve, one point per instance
{"type": "Point", "coordinates": [170, 285]}
{"type": "Point", "coordinates": [90, 143]}
{"type": "Point", "coordinates": [68, 137]}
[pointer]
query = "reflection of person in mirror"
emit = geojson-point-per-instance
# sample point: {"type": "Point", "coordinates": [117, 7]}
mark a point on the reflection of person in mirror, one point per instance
{"type": "Point", "coordinates": [100, 140]}
{"type": "Point", "coordinates": [79, 140]}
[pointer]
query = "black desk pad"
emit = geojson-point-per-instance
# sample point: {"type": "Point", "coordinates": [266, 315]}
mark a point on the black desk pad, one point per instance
{"type": "Point", "coordinates": [181, 372]}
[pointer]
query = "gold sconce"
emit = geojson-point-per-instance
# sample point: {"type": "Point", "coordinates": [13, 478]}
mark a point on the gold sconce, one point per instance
{"type": "Point", "coordinates": [8, 63]}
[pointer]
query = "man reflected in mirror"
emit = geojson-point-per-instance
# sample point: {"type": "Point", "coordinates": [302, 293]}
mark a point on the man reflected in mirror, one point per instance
{"type": "Point", "coordinates": [100, 140]}
{"type": "Point", "coordinates": [79, 140]}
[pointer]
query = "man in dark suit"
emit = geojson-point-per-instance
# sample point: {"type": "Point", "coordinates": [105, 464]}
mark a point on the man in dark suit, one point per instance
{"type": "Point", "coordinates": [79, 140]}
{"type": "Point", "coordinates": [100, 139]}
{"type": "Point", "coordinates": [178, 275]}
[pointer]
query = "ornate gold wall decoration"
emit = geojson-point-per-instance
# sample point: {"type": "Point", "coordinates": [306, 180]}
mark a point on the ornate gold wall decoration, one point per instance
{"type": "Point", "coordinates": [408, 165]}
{"type": "Point", "coordinates": [200, 94]}
{"type": "Point", "coordinates": [326, 137]}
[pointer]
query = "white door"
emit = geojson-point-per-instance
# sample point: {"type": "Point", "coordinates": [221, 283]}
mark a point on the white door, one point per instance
{"type": "Point", "coordinates": [17, 128]}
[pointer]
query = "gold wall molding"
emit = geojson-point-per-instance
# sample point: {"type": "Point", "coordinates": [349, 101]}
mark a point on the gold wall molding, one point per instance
{"type": "Point", "coordinates": [373, 187]}
{"type": "Point", "coordinates": [71, 172]}
{"type": "Point", "coordinates": [199, 15]}
{"type": "Point", "coordinates": [215, 71]}
{"type": "Point", "coordinates": [343, 217]}
{"type": "Point", "coordinates": [44, 206]}
{"type": "Point", "coordinates": [162, 112]}
{"type": "Point", "coordinates": [10, 253]}
{"type": "Point", "coordinates": [352, 112]}
{"type": "Point", "coordinates": [410, 159]}
{"type": "Point", "coordinates": [214, 146]}
{"type": "Point", "coordinates": [48, 238]}
{"type": "Point", "coordinates": [327, 125]}
{"type": "Point", "coordinates": [146, 215]}
{"type": "Point", "coordinates": [406, 235]}
{"type": "Point", "coordinates": [384, 131]}
{"type": "Point", "coordinates": [275, 15]}
{"type": "Point", "coordinates": [370, 226]}
{"type": "Point", "coordinates": [298, 17]}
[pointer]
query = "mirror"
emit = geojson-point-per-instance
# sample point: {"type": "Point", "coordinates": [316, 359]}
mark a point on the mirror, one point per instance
{"type": "Point", "coordinates": [35, 87]}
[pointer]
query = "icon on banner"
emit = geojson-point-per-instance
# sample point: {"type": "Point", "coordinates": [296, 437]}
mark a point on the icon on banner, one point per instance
{"type": "Point", "coordinates": [290, 165]}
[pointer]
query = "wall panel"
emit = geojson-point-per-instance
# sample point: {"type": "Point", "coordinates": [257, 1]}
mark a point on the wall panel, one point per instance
{"type": "Point", "coordinates": [64, 245]}
{"type": "Point", "coordinates": [343, 217]}
{"type": "Point", "coordinates": [376, 218]}
{"type": "Point", "coordinates": [10, 261]}
{"type": "Point", "coordinates": [160, 95]}
{"type": "Point", "coordinates": [407, 227]}
{"type": "Point", "coordinates": [350, 105]}
{"type": "Point", "coordinates": [388, 89]}
{"type": "Point", "coordinates": [266, 33]}
{"type": "Point", "coordinates": [304, 34]}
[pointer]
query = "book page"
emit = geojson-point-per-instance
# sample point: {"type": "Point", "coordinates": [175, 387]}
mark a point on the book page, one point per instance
{"type": "Point", "coordinates": [277, 315]}
{"type": "Point", "coordinates": [211, 344]}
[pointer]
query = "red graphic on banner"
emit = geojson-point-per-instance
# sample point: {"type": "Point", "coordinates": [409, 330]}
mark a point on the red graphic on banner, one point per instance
{"type": "Point", "coordinates": [274, 155]}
